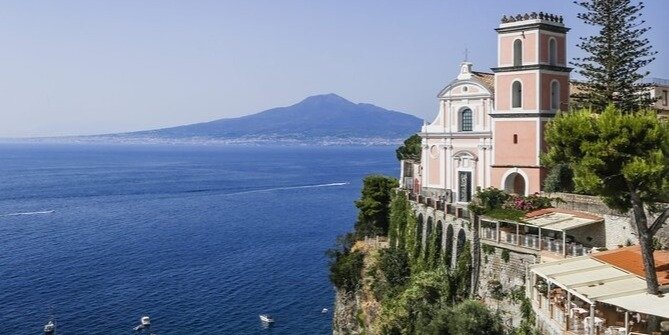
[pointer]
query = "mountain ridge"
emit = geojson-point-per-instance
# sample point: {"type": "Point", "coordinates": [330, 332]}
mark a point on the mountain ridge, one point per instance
{"type": "Point", "coordinates": [318, 116]}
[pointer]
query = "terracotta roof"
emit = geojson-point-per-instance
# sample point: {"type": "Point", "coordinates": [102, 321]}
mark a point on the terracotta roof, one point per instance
{"type": "Point", "coordinates": [488, 79]}
{"type": "Point", "coordinates": [578, 214]}
{"type": "Point", "coordinates": [629, 259]}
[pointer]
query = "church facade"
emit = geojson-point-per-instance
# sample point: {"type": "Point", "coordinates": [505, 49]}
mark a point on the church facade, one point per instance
{"type": "Point", "coordinates": [489, 130]}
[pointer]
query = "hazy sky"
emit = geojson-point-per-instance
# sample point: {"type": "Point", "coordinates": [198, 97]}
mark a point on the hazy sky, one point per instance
{"type": "Point", "coordinates": [86, 67]}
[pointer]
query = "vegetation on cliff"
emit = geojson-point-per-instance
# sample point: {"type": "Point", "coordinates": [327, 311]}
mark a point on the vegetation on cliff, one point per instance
{"type": "Point", "coordinates": [405, 287]}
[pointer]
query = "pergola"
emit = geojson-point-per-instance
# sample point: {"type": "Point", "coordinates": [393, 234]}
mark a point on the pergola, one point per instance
{"type": "Point", "coordinates": [545, 221]}
{"type": "Point", "coordinates": [593, 280]}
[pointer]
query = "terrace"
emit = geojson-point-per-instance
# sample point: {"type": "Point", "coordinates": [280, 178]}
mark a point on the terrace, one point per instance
{"type": "Point", "coordinates": [590, 295]}
{"type": "Point", "coordinates": [549, 232]}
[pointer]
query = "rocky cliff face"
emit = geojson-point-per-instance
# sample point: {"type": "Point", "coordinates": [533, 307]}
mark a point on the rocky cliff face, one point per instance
{"type": "Point", "coordinates": [345, 318]}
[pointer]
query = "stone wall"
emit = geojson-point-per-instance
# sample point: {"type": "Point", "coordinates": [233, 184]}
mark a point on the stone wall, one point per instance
{"type": "Point", "coordinates": [510, 274]}
{"type": "Point", "coordinates": [619, 228]}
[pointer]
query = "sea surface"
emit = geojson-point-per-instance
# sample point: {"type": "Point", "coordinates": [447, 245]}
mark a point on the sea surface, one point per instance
{"type": "Point", "coordinates": [201, 239]}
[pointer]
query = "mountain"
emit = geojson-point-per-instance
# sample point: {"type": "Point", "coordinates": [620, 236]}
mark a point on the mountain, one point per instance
{"type": "Point", "coordinates": [318, 118]}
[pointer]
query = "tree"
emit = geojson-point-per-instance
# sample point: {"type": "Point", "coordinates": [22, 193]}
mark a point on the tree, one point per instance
{"type": "Point", "coordinates": [345, 265]}
{"type": "Point", "coordinates": [473, 317]}
{"type": "Point", "coordinates": [410, 150]}
{"type": "Point", "coordinates": [374, 206]}
{"type": "Point", "coordinates": [615, 56]}
{"type": "Point", "coordinates": [624, 159]}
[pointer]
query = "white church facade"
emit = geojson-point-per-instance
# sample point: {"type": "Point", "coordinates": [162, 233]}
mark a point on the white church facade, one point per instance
{"type": "Point", "coordinates": [490, 126]}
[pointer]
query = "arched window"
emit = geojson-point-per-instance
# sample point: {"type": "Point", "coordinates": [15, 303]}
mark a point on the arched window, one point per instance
{"type": "Point", "coordinates": [517, 52]}
{"type": "Point", "coordinates": [552, 51]}
{"type": "Point", "coordinates": [555, 95]}
{"type": "Point", "coordinates": [466, 120]}
{"type": "Point", "coordinates": [516, 95]}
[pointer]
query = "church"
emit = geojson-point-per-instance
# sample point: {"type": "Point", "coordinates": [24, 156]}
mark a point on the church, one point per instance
{"type": "Point", "coordinates": [489, 130]}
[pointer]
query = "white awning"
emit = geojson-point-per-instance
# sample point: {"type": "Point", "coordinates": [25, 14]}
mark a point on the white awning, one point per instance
{"type": "Point", "coordinates": [643, 303]}
{"type": "Point", "coordinates": [593, 280]}
{"type": "Point", "coordinates": [559, 221]}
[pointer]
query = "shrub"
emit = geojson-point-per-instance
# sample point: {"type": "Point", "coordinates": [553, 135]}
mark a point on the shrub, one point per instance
{"type": "Point", "coordinates": [473, 317]}
{"type": "Point", "coordinates": [505, 255]}
{"type": "Point", "coordinates": [346, 271]}
{"type": "Point", "coordinates": [394, 264]}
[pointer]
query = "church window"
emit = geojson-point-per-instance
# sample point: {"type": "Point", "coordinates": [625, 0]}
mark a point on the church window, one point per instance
{"type": "Point", "coordinates": [516, 94]}
{"type": "Point", "coordinates": [555, 95]}
{"type": "Point", "coordinates": [466, 120]}
{"type": "Point", "coordinates": [517, 52]}
{"type": "Point", "coordinates": [552, 51]}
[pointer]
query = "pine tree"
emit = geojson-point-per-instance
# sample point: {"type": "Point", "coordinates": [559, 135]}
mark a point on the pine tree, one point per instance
{"type": "Point", "coordinates": [612, 68]}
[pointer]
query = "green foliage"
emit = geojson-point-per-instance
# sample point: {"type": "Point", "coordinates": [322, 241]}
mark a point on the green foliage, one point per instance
{"type": "Point", "coordinates": [487, 249]}
{"type": "Point", "coordinates": [505, 255]}
{"type": "Point", "coordinates": [613, 154]}
{"type": "Point", "coordinates": [496, 290]}
{"type": "Point", "coordinates": [394, 264]}
{"type": "Point", "coordinates": [614, 57]}
{"type": "Point", "coordinates": [473, 317]}
{"type": "Point", "coordinates": [413, 309]}
{"type": "Point", "coordinates": [346, 270]}
{"type": "Point", "coordinates": [559, 179]}
{"type": "Point", "coordinates": [509, 214]}
{"type": "Point", "coordinates": [410, 150]}
{"type": "Point", "coordinates": [400, 214]}
{"type": "Point", "coordinates": [461, 277]}
{"type": "Point", "coordinates": [488, 199]}
{"type": "Point", "coordinates": [500, 205]}
{"type": "Point", "coordinates": [374, 206]}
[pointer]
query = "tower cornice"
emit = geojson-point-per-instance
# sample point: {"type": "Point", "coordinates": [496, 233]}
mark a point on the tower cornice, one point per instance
{"type": "Point", "coordinates": [531, 67]}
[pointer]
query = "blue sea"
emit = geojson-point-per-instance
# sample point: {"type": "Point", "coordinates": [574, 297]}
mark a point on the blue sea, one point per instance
{"type": "Point", "coordinates": [201, 239]}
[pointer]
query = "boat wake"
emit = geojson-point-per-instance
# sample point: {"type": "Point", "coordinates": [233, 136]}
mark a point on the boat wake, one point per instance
{"type": "Point", "coordinates": [291, 188]}
{"type": "Point", "coordinates": [29, 213]}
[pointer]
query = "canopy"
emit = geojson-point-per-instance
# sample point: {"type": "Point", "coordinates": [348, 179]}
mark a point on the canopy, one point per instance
{"type": "Point", "coordinates": [594, 280]}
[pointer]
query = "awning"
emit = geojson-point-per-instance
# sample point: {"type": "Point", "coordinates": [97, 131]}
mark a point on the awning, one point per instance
{"type": "Point", "coordinates": [593, 280]}
{"type": "Point", "coordinates": [643, 303]}
{"type": "Point", "coordinates": [559, 219]}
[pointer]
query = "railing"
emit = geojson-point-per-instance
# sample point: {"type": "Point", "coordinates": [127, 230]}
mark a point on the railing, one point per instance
{"type": "Point", "coordinates": [489, 234]}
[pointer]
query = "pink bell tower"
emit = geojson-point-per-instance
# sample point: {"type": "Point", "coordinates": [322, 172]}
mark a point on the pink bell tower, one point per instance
{"type": "Point", "coordinates": [531, 86]}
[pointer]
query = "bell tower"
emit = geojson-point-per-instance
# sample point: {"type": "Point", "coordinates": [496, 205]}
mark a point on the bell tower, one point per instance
{"type": "Point", "coordinates": [531, 86]}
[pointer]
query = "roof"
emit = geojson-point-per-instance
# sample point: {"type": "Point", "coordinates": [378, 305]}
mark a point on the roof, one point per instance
{"type": "Point", "coordinates": [487, 79]}
{"type": "Point", "coordinates": [630, 259]}
{"type": "Point", "coordinates": [594, 279]}
{"type": "Point", "coordinates": [560, 219]}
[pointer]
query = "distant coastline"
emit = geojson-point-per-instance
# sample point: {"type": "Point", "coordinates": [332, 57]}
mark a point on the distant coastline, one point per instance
{"type": "Point", "coordinates": [244, 140]}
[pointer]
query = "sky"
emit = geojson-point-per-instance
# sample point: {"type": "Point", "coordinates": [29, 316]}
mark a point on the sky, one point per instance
{"type": "Point", "coordinates": [95, 67]}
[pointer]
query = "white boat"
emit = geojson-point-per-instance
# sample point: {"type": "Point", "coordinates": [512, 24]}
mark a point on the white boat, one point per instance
{"type": "Point", "coordinates": [144, 322]}
{"type": "Point", "coordinates": [50, 328]}
{"type": "Point", "coordinates": [325, 310]}
{"type": "Point", "coordinates": [266, 318]}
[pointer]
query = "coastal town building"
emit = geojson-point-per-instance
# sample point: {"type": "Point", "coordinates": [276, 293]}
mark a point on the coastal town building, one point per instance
{"type": "Point", "coordinates": [489, 129]}
{"type": "Point", "coordinates": [489, 132]}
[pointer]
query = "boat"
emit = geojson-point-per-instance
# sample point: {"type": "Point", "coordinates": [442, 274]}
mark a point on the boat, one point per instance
{"type": "Point", "coordinates": [266, 318]}
{"type": "Point", "coordinates": [325, 310]}
{"type": "Point", "coordinates": [50, 328]}
{"type": "Point", "coordinates": [144, 323]}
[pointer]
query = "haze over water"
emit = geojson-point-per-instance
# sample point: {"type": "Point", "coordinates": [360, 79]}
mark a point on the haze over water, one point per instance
{"type": "Point", "coordinates": [202, 239]}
